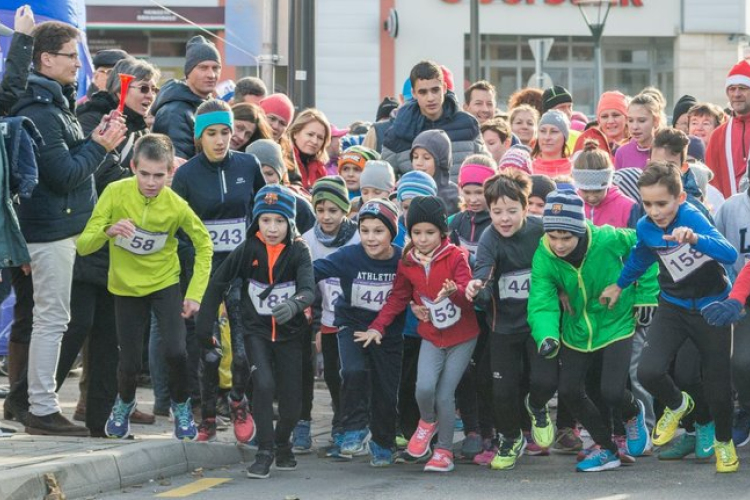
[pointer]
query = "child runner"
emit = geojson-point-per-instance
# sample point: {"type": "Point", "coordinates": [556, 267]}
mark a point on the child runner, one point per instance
{"type": "Point", "coordinates": [690, 252]}
{"type": "Point", "coordinates": [431, 153]}
{"type": "Point", "coordinates": [139, 217]}
{"type": "Point", "coordinates": [411, 185]}
{"type": "Point", "coordinates": [275, 267]}
{"type": "Point", "coordinates": [433, 273]}
{"type": "Point", "coordinates": [551, 153]}
{"type": "Point", "coordinates": [497, 137]}
{"type": "Point", "coordinates": [369, 374]}
{"type": "Point", "coordinates": [541, 186]}
{"type": "Point", "coordinates": [352, 163]}
{"type": "Point", "coordinates": [644, 119]}
{"type": "Point", "coordinates": [580, 259]}
{"type": "Point", "coordinates": [376, 182]}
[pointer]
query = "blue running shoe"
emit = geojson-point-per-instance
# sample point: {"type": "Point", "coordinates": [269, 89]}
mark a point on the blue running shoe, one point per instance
{"type": "Point", "coordinates": [704, 441]}
{"type": "Point", "coordinates": [184, 425]}
{"type": "Point", "coordinates": [118, 423]}
{"type": "Point", "coordinates": [334, 451]}
{"type": "Point", "coordinates": [301, 439]}
{"type": "Point", "coordinates": [741, 428]}
{"type": "Point", "coordinates": [638, 440]}
{"type": "Point", "coordinates": [355, 442]}
{"type": "Point", "coordinates": [380, 457]}
{"type": "Point", "coordinates": [598, 460]}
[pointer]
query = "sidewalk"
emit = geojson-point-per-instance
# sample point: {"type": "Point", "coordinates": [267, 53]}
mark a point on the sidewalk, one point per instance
{"type": "Point", "coordinates": [31, 466]}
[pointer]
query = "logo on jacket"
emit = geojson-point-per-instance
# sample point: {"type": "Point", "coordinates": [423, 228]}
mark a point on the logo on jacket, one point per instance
{"type": "Point", "coordinates": [557, 208]}
{"type": "Point", "coordinates": [240, 180]}
{"type": "Point", "coordinates": [271, 198]}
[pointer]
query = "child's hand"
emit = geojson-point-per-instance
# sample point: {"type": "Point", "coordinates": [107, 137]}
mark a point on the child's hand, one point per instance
{"type": "Point", "coordinates": [472, 289]}
{"type": "Point", "coordinates": [123, 227]}
{"type": "Point", "coordinates": [367, 337]}
{"type": "Point", "coordinates": [421, 312]}
{"type": "Point", "coordinates": [682, 235]}
{"type": "Point", "coordinates": [449, 288]}
{"type": "Point", "coordinates": [610, 294]}
{"type": "Point", "coordinates": [285, 311]}
{"type": "Point", "coordinates": [723, 313]}
{"type": "Point", "coordinates": [189, 308]}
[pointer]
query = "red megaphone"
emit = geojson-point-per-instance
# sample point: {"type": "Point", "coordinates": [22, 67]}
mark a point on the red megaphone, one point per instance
{"type": "Point", "coordinates": [125, 80]}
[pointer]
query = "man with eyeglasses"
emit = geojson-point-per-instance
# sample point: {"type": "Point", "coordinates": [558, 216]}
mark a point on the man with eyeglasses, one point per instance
{"type": "Point", "coordinates": [103, 62]}
{"type": "Point", "coordinates": [58, 210]}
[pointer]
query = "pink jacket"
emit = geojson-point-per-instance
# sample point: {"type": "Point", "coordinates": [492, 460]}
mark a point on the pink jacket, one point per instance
{"type": "Point", "coordinates": [613, 210]}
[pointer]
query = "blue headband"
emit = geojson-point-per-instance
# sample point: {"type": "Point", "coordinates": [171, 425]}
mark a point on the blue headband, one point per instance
{"type": "Point", "coordinates": [202, 122]}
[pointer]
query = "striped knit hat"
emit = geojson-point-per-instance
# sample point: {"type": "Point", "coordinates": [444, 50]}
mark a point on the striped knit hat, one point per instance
{"type": "Point", "coordinates": [516, 157]}
{"type": "Point", "coordinates": [415, 183]}
{"type": "Point", "coordinates": [357, 155]}
{"type": "Point", "coordinates": [275, 199]}
{"type": "Point", "coordinates": [384, 211]}
{"type": "Point", "coordinates": [563, 211]}
{"type": "Point", "coordinates": [332, 188]}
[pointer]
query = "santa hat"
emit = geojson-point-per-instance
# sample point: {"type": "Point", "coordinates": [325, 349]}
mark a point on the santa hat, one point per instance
{"type": "Point", "coordinates": [739, 74]}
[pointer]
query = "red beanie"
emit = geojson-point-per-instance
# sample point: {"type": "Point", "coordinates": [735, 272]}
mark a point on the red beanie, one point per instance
{"type": "Point", "coordinates": [447, 77]}
{"type": "Point", "coordinates": [612, 100]}
{"type": "Point", "coordinates": [279, 105]}
{"type": "Point", "coordinates": [472, 173]}
{"type": "Point", "coordinates": [739, 74]}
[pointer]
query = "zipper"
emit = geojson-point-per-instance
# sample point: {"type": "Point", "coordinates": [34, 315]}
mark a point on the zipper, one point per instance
{"type": "Point", "coordinates": [223, 184]}
{"type": "Point", "coordinates": [145, 212]}
{"type": "Point", "coordinates": [579, 274]}
{"type": "Point", "coordinates": [270, 282]}
{"type": "Point", "coordinates": [473, 227]}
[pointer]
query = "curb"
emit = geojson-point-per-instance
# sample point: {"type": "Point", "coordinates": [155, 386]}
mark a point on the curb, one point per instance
{"type": "Point", "coordinates": [90, 474]}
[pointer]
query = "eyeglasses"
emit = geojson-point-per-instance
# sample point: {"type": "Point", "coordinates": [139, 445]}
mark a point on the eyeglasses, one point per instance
{"type": "Point", "coordinates": [73, 56]}
{"type": "Point", "coordinates": [145, 89]}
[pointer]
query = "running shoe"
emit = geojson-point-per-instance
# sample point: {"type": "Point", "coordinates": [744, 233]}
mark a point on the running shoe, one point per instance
{"type": "Point", "coordinates": [285, 458]}
{"type": "Point", "coordinates": [118, 423]}
{"type": "Point", "coordinates": [489, 450]}
{"type": "Point", "coordinates": [705, 435]}
{"type": "Point", "coordinates": [667, 424]}
{"type": "Point", "coordinates": [334, 451]}
{"type": "Point", "coordinates": [401, 442]}
{"type": "Point", "coordinates": [726, 457]}
{"type": "Point", "coordinates": [207, 430]}
{"type": "Point", "coordinates": [471, 446]}
{"type": "Point", "coordinates": [542, 429]}
{"type": "Point", "coordinates": [419, 444]}
{"type": "Point", "coordinates": [242, 421]}
{"type": "Point", "coordinates": [508, 452]}
{"type": "Point", "coordinates": [638, 441]}
{"type": "Point", "coordinates": [301, 439]}
{"type": "Point", "coordinates": [532, 448]}
{"type": "Point", "coordinates": [379, 456]}
{"type": "Point", "coordinates": [403, 457]}
{"type": "Point", "coordinates": [584, 453]}
{"type": "Point", "coordinates": [623, 453]}
{"type": "Point", "coordinates": [261, 468]}
{"type": "Point", "coordinates": [679, 448]}
{"type": "Point", "coordinates": [441, 461]}
{"type": "Point", "coordinates": [741, 427]}
{"type": "Point", "coordinates": [355, 442]}
{"type": "Point", "coordinates": [222, 406]}
{"type": "Point", "coordinates": [184, 425]}
{"type": "Point", "coordinates": [599, 460]}
{"type": "Point", "coordinates": [567, 441]}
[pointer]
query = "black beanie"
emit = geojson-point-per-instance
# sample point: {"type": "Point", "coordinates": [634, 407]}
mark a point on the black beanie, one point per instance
{"type": "Point", "coordinates": [427, 209]}
{"type": "Point", "coordinates": [541, 186]}
{"type": "Point", "coordinates": [682, 106]}
{"type": "Point", "coordinates": [385, 108]}
{"type": "Point", "coordinates": [554, 96]}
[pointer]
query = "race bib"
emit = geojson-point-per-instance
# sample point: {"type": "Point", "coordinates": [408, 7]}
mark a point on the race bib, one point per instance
{"type": "Point", "coordinates": [370, 295]}
{"type": "Point", "coordinates": [443, 313]}
{"type": "Point", "coordinates": [331, 289]}
{"type": "Point", "coordinates": [226, 234]}
{"type": "Point", "coordinates": [142, 242]}
{"type": "Point", "coordinates": [471, 247]}
{"type": "Point", "coordinates": [514, 285]}
{"type": "Point", "coordinates": [682, 261]}
{"type": "Point", "coordinates": [280, 293]}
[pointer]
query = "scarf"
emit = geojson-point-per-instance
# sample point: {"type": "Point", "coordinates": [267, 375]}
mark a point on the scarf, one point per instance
{"type": "Point", "coordinates": [345, 233]}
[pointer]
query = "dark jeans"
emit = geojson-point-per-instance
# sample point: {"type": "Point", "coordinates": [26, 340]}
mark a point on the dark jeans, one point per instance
{"type": "Point", "coordinates": [133, 317]}
{"type": "Point", "coordinates": [331, 373]}
{"type": "Point", "coordinates": [574, 367]}
{"type": "Point", "coordinates": [516, 365]}
{"type": "Point", "coordinates": [474, 392]}
{"type": "Point", "coordinates": [741, 362]}
{"type": "Point", "coordinates": [670, 328]}
{"type": "Point", "coordinates": [308, 375]}
{"type": "Point", "coordinates": [408, 410]}
{"type": "Point", "coordinates": [23, 311]}
{"type": "Point", "coordinates": [370, 374]}
{"type": "Point", "coordinates": [276, 368]}
{"type": "Point", "coordinates": [92, 317]}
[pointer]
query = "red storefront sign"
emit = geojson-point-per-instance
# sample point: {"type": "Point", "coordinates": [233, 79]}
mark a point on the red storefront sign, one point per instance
{"type": "Point", "coordinates": [620, 3]}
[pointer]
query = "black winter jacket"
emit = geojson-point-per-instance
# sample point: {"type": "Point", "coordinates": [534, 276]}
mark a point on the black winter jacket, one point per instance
{"type": "Point", "coordinates": [174, 112]}
{"type": "Point", "coordinates": [16, 71]}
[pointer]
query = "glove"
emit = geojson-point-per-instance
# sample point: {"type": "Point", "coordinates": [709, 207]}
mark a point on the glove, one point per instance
{"type": "Point", "coordinates": [213, 355]}
{"type": "Point", "coordinates": [285, 311]}
{"type": "Point", "coordinates": [549, 348]}
{"type": "Point", "coordinates": [723, 313]}
{"type": "Point", "coordinates": [645, 314]}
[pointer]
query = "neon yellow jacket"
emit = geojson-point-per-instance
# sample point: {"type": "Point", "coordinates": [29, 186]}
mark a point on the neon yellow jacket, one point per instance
{"type": "Point", "coordinates": [135, 275]}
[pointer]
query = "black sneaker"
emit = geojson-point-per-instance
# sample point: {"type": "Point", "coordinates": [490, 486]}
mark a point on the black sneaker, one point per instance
{"type": "Point", "coordinates": [261, 468]}
{"type": "Point", "coordinates": [285, 459]}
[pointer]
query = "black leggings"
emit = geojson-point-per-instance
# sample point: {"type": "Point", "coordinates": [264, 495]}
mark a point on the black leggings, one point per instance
{"type": "Point", "coordinates": [133, 317]}
{"type": "Point", "coordinates": [671, 327]}
{"type": "Point", "coordinates": [276, 368]}
{"type": "Point", "coordinates": [741, 362]}
{"type": "Point", "coordinates": [329, 343]}
{"type": "Point", "coordinates": [308, 375]}
{"type": "Point", "coordinates": [574, 367]}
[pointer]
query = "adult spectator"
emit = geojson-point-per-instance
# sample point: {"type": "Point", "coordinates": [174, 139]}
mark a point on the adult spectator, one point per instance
{"type": "Point", "coordinates": [529, 95]}
{"type": "Point", "coordinates": [279, 113]}
{"type": "Point", "coordinates": [250, 124]}
{"type": "Point", "coordinates": [560, 99]}
{"type": "Point", "coordinates": [680, 119]}
{"type": "Point", "coordinates": [480, 100]}
{"type": "Point", "coordinates": [433, 107]}
{"type": "Point", "coordinates": [103, 62]}
{"type": "Point", "coordinates": [58, 209]}
{"type": "Point", "coordinates": [174, 109]}
{"type": "Point", "coordinates": [250, 90]}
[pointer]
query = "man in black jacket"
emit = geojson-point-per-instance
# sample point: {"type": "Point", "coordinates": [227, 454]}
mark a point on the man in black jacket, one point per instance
{"type": "Point", "coordinates": [58, 209]}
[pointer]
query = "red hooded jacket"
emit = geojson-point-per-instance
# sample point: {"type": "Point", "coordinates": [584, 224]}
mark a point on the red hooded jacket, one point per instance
{"type": "Point", "coordinates": [716, 157]}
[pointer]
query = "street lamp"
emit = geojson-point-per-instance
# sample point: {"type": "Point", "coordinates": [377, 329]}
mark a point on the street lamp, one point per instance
{"type": "Point", "coordinates": [595, 14]}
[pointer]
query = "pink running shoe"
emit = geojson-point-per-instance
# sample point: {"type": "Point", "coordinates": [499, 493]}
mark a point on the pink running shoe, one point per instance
{"type": "Point", "coordinates": [441, 461]}
{"type": "Point", "coordinates": [244, 425]}
{"type": "Point", "coordinates": [533, 449]}
{"type": "Point", "coordinates": [419, 444]}
{"type": "Point", "coordinates": [485, 458]}
{"type": "Point", "coordinates": [622, 450]}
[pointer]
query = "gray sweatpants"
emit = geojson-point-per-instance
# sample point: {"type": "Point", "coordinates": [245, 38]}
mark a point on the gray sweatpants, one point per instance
{"type": "Point", "coordinates": [438, 373]}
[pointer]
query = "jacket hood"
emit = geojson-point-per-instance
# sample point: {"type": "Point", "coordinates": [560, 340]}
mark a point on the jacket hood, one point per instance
{"type": "Point", "coordinates": [175, 90]}
{"type": "Point", "coordinates": [410, 120]}
{"type": "Point", "coordinates": [41, 89]}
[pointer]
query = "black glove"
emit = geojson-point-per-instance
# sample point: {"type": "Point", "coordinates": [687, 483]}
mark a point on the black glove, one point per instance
{"type": "Point", "coordinates": [213, 355]}
{"type": "Point", "coordinates": [285, 311]}
{"type": "Point", "coordinates": [645, 315]}
{"type": "Point", "coordinates": [549, 348]}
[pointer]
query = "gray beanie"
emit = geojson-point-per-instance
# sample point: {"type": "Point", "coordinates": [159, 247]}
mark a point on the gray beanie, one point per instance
{"type": "Point", "coordinates": [269, 154]}
{"type": "Point", "coordinates": [437, 143]}
{"type": "Point", "coordinates": [198, 50]}
{"type": "Point", "coordinates": [378, 174]}
{"type": "Point", "coordinates": [557, 119]}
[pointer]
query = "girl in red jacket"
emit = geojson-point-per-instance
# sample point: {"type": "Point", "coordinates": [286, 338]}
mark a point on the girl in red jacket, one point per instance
{"type": "Point", "coordinates": [433, 273]}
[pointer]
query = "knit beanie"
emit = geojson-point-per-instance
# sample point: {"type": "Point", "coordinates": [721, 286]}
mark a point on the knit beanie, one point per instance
{"type": "Point", "coordinates": [739, 74]}
{"type": "Point", "coordinates": [472, 173]}
{"type": "Point", "coordinates": [593, 180]}
{"type": "Point", "coordinates": [332, 188]}
{"type": "Point", "coordinates": [554, 96]}
{"type": "Point", "coordinates": [378, 174]}
{"type": "Point", "coordinates": [516, 157]}
{"type": "Point", "coordinates": [357, 155]}
{"type": "Point", "coordinates": [541, 186]}
{"type": "Point", "coordinates": [437, 143]}
{"type": "Point", "coordinates": [385, 108]}
{"type": "Point", "coordinates": [198, 50]}
{"type": "Point", "coordinates": [269, 154]}
{"type": "Point", "coordinates": [612, 100]}
{"type": "Point", "coordinates": [383, 210]}
{"type": "Point", "coordinates": [279, 105]}
{"type": "Point", "coordinates": [684, 104]}
{"type": "Point", "coordinates": [696, 149]}
{"type": "Point", "coordinates": [415, 183]}
{"type": "Point", "coordinates": [275, 199]}
{"type": "Point", "coordinates": [427, 209]}
{"type": "Point", "coordinates": [557, 119]}
{"type": "Point", "coordinates": [563, 211]}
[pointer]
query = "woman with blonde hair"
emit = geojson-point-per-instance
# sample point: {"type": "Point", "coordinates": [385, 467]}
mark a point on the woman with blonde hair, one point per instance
{"type": "Point", "coordinates": [310, 134]}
